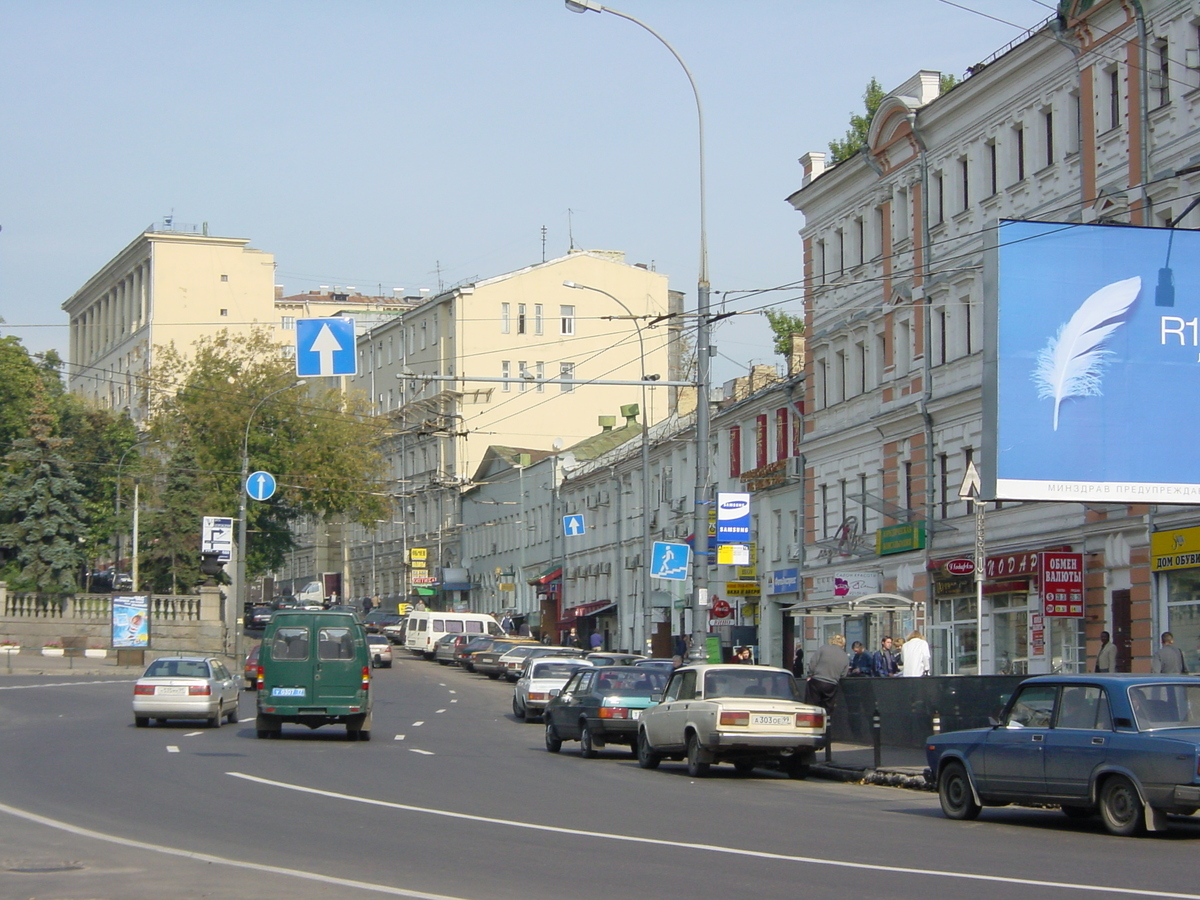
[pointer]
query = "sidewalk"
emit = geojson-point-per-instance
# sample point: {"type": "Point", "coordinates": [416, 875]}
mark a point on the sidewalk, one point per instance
{"type": "Point", "coordinates": [31, 662]}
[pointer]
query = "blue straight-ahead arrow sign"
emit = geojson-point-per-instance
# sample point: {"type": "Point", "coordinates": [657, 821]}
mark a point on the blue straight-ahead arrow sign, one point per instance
{"type": "Point", "coordinates": [573, 525]}
{"type": "Point", "coordinates": [260, 485]}
{"type": "Point", "coordinates": [325, 347]}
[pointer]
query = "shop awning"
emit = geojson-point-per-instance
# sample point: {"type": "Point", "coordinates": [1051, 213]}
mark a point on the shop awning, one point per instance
{"type": "Point", "coordinates": [853, 606]}
{"type": "Point", "coordinates": [587, 609]}
{"type": "Point", "coordinates": [548, 576]}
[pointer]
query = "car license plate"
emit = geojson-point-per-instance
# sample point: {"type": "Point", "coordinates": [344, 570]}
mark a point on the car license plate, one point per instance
{"type": "Point", "coordinates": [287, 692]}
{"type": "Point", "coordinates": [764, 719]}
{"type": "Point", "coordinates": [173, 690]}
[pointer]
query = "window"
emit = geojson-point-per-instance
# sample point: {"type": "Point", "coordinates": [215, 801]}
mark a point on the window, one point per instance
{"type": "Point", "coordinates": [566, 315]}
{"type": "Point", "coordinates": [908, 485]}
{"type": "Point", "coordinates": [524, 375]}
{"type": "Point", "coordinates": [841, 250]}
{"type": "Point", "coordinates": [287, 323]}
{"type": "Point", "coordinates": [540, 374]}
{"type": "Point", "coordinates": [964, 182]}
{"type": "Point", "coordinates": [1160, 79]}
{"type": "Point", "coordinates": [1076, 123]}
{"type": "Point", "coordinates": [1048, 126]}
{"type": "Point", "coordinates": [424, 334]}
{"type": "Point", "coordinates": [939, 323]}
{"type": "Point", "coordinates": [824, 511]}
{"type": "Point", "coordinates": [781, 433]}
{"type": "Point", "coordinates": [506, 372]}
{"type": "Point", "coordinates": [735, 451]}
{"type": "Point", "coordinates": [820, 262]}
{"type": "Point", "coordinates": [993, 170]}
{"type": "Point", "coordinates": [224, 312]}
{"type": "Point", "coordinates": [1114, 98]}
{"type": "Point", "coordinates": [939, 209]}
{"type": "Point", "coordinates": [968, 458]}
{"type": "Point", "coordinates": [944, 485]}
{"type": "Point", "coordinates": [566, 371]}
{"type": "Point", "coordinates": [520, 318]}
{"type": "Point", "coordinates": [860, 231]}
{"type": "Point", "coordinates": [760, 441]}
{"type": "Point", "coordinates": [1019, 149]}
{"type": "Point", "coordinates": [537, 318]}
{"type": "Point", "coordinates": [504, 314]}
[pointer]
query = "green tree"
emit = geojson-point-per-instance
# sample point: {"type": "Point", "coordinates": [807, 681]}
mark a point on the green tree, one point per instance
{"type": "Point", "coordinates": [322, 446]}
{"type": "Point", "coordinates": [19, 373]}
{"type": "Point", "coordinates": [783, 326]}
{"type": "Point", "coordinates": [42, 507]}
{"type": "Point", "coordinates": [171, 558]}
{"type": "Point", "coordinates": [856, 134]}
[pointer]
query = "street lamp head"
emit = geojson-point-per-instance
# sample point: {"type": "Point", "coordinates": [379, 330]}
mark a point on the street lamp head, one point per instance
{"type": "Point", "coordinates": [582, 6]}
{"type": "Point", "coordinates": [571, 284]}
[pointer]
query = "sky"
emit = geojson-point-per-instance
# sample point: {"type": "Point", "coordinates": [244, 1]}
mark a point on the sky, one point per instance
{"type": "Point", "coordinates": [426, 143]}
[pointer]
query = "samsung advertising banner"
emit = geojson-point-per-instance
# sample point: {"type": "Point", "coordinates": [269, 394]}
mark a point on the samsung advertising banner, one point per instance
{"type": "Point", "coordinates": [733, 518]}
{"type": "Point", "coordinates": [1091, 364]}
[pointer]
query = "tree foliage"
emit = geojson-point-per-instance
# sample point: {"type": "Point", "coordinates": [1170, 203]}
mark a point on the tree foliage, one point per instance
{"type": "Point", "coordinates": [41, 505]}
{"type": "Point", "coordinates": [171, 555]}
{"type": "Point", "coordinates": [321, 445]}
{"type": "Point", "coordinates": [783, 326]}
{"type": "Point", "coordinates": [856, 134]}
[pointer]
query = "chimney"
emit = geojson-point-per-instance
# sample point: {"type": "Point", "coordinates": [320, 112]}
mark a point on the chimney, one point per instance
{"type": "Point", "coordinates": [795, 358]}
{"type": "Point", "coordinates": [814, 165]}
{"type": "Point", "coordinates": [630, 412]}
{"type": "Point", "coordinates": [607, 423]}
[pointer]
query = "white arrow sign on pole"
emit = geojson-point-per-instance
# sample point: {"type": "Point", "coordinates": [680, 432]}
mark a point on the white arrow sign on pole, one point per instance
{"type": "Point", "coordinates": [325, 347]}
{"type": "Point", "coordinates": [971, 485]}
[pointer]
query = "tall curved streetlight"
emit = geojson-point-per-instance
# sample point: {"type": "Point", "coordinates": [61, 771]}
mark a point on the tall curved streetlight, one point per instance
{"type": "Point", "coordinates": [645, 455]}
{"type": "Point", "coordinates": [239, 578]}
{"type": "Point", "coordinates": [703, 359]}
{"type": "Point", "coordinates": [117, 501]}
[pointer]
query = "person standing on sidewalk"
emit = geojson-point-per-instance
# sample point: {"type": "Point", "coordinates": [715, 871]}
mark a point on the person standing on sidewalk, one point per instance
{"type": "Point", "coordinates": [1106, 659]}
{"type": "Point", "coordinates": [827, 667]}
{"type": "Point", "coordinates": [1168, 660]}
{"type": "Point", "coordinates": [915, 656]}
{"type": "Point", "coordinates": [884, 663]}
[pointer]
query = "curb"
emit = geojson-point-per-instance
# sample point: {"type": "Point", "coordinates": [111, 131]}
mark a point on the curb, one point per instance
{"type": "Point", "coordinates": [909, 778]}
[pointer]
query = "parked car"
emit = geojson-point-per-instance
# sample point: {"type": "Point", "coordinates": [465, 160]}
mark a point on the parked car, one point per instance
{"type": "Point", "coordinates": [746, 715]}
{"type": "Point", "coordinates": [395, 631]}
{"type": "Point", "coordinates": [186, 687]}
{"type": "Point", "coordinates": [259, 617]}
{"type": "Point", "coordinates": [487, 662]}
{"type": "Point", "coordinates": [514, 660]}
{"type": "Point", "coordinates": [662, 665]}
{"type": "Point", "coordinates": [612, 658]}
{"type": "Point", "coordinates": [465, 655]}
{"type": "Point", "coordinates": [376, 620]}
{"type": "Point", "coordinates": [542, 675]}
{"type": "Point", "coordinates": [1125, 747]}
{"type": "Point", "coordinates": [380, 649]}
{"type": "Point", "coordinates": [250, 668]}
{"type": "Point", "coordinates": [601, 706]}
{"type": "Point", "coordinates": [445, 651]}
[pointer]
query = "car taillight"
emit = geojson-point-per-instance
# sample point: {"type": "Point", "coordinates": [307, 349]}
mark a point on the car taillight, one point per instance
{"type": "Point", "coordinates": [199, 690]}
{"type": "Point", "coordinates": [614, 712]}
{"type": "Point", "coordinates": [143, 689]}
{"type": "Point", "coordinates": [810, 720]}
{"type": "Point", "coordinates": [366, 680]}
{"type": "Point", "coordinates": [539, 696]}
{"type": "Point", "coordinates": [258, 677]}
{"type": "Point", "coordinates": [735, 718]}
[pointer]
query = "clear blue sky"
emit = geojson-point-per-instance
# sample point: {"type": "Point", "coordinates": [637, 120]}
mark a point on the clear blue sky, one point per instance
{"type": "Point", "coordinates": [374, 143]}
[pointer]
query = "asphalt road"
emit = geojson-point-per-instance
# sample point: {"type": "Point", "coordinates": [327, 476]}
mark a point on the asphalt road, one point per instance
{"type": "Point", "coordinates": [456, 798]}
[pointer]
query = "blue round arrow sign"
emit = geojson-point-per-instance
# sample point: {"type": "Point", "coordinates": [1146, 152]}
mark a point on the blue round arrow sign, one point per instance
{"type": "Point", "coordinates": [260, 485]}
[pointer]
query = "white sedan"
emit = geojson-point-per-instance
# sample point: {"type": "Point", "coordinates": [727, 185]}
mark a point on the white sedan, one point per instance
{"type": "Point", "coordinates": [542, 675]}
{"type": "Point", "coordinates": [381, 651]}
{"type": "Point", "coordinates": [186, 687]}
{"type": "Point", "coordinates": [746, 715]}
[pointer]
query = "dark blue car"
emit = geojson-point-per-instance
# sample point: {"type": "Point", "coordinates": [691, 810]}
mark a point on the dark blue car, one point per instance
{"type": "Point", "coordinates": [1126, 747]}
{"type": "Point", "coordinates": [601, 706]}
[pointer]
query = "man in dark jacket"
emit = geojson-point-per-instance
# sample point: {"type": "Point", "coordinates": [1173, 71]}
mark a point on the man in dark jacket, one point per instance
{"type": "Point", "coordinates": [884, 662]}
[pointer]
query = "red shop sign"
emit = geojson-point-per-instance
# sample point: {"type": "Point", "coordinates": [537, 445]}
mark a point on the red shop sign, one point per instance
{"type": "Point", "coordinates": [1061, 578]}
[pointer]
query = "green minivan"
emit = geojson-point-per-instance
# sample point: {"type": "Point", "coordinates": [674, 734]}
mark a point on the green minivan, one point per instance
{"type": "Point", "coordinates": [314, 669]}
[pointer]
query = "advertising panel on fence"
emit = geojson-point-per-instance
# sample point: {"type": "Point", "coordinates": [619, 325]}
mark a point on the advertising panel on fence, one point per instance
{"type": "Point", "coordinates": [131, 622]}
{"type": "Point", "coordinates": [1092, 353]}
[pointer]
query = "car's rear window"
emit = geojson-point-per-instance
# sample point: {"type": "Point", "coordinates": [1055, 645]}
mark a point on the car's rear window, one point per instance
{"type": "Point", "coordinates": [291, 642]}
{"type": "Point", "coordinates": [642, 681]}
{"type": "Point", "coordinates": [749, 683]}
{"type": "Point", "coordinates": [177, 668]}
{"type": "Point", "coordinates": [1166, 705]}
{"type": "Point", "coordinates": [335, 643]}
{"type": "Point", "coordinates": [553, 670]}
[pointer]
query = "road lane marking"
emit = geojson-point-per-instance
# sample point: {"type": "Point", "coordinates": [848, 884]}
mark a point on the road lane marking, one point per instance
{"type": "Point", "coordinates": [727, 851]}
{"type": "Point", "coordinates": [453, 692]}
{"type": "Point", "coordinates": [222, 860]}
{"type": "Point", "coordinates": [422, 752]}
{"type": "Point", "coordinates": [398, 737]}
{"type": "Point", "coordinates": [193, 733]}
{"type": "Point", "coordinates": [171, 748]}
{"type": "Point", "coordinates": [23, 687]}
{"type": "Point", "coordinates": [417, 724]}
{"type": "Point", "coordinates": [439, 711]}
{"type": "Point", "coordinates": [453, 701]}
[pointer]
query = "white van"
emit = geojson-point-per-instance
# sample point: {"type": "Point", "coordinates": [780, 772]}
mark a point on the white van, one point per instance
{"type": "Point", "coordinates": [425, 628]}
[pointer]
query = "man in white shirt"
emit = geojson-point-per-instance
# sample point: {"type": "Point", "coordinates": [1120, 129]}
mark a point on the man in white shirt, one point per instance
{"type": "Point", "coordinates": [917, 658]}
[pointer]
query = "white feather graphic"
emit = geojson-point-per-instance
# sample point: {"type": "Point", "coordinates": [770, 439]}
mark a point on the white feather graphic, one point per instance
{"type": "Point", "coordinates": [1071, 363]}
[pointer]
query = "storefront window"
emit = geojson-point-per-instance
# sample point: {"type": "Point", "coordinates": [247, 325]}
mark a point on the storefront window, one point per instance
{"type": "Point", "coordinates": [1067, 649]}
{"type": "Point", "coordinates": [1183, 614]}
{"type": "Point", "coordinates": [1010, 625]}
{"type": "Point", "coordinates": [954, 637]}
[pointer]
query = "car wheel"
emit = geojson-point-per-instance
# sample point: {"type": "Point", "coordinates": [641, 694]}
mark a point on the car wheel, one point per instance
{"type": "Point", "coordinates": [647, 758]}
{"type": "Point", "coordinates": [799, 765]}
{"type": "Point", "coordinates": [744, 766]}
{"type": "Point", "coordinates": [553, 741]}
{"type": "Point", "coordinates": [955, 794]}
{"type": "Point", "coordinates": [493, 675]}
{"type": "Point", "coordinates": [443, 662]}
{"type": "Point", "coordinates": [1121, 807]}
{"type": "Point", "coordinates": [531, 716]}
{"type": "Point", "coordinates": [267, 727]}
{"type": "Point", "coordinates": [1078, 812]}
{"type": "Point", "coordinates": [215, 721]}
{"type": "Point", "coordinates": [518, 710]}
{"type": "Point", "coordinates": [587, 749]}
{"type": "Point", "coordinates": [141, 721]}
{"type": "Point", "coordinates": [697, 766]}
{"type": "Point", "coordinates": [233, 714]}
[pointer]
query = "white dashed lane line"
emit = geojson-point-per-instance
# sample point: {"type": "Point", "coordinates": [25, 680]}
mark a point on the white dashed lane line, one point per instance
{"type": "Point", "coordinates": [398, 737]}
{"type": "Point", "coordinates": [439, 712]}
{"type": "Point", "coordinates": [418, 724]}
{"type": "Point", "coordinates": [422, 752]}
{"type": "Point", "coordinates": [171, 748]}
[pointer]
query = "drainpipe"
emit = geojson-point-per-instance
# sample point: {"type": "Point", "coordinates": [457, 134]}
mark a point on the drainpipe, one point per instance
{"type": "Point", "coordinates": [1144, 119]}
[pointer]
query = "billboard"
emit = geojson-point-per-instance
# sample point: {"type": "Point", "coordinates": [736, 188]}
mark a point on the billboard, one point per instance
{"type": "Point", "coordinates": [1091, 363]}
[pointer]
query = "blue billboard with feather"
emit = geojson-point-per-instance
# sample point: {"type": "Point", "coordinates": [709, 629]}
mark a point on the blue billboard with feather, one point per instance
{"type": "Point", "coordinates": [1091, 364]}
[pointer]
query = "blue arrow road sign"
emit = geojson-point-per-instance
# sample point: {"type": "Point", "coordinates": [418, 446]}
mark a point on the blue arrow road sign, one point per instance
{"type": "Point", "coordinates": [573, 525]}
{"type": "Point", "coordinates": [260, 485]}
{"type": "Point", "coordinates": [670, 561]}
{"type": "Point", "coordinates": [325, 347]}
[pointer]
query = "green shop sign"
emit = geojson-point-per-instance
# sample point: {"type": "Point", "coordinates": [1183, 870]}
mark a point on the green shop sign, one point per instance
{"type": "Point", "coordinates": [899, 538]}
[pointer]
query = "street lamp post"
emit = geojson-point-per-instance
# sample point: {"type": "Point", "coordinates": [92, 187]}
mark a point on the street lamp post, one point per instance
{"type": "Point", "coordinates": [645, 456]}
{"type": "Point", "coordinates": [703, 359]}
{"type": "Point", "coordinates": [117, 501]}
{"type": "Point", "coordinates": [234, 643]}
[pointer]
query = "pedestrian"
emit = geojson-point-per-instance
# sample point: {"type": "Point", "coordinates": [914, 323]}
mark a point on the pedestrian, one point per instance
{"type": "Point", "coordinates": [1106, 658]}
{"type": "Point", "coordinates": [827, 667]}
{"type": "Point", "coordinates": [506, 624]}
{"type": "Point", "coordinates": [861, 665]}
{"type": "Point", "coordinates": [597, 641]}
{"type": "Point", "coordinates": [798, 662]}
{"type": "Point", "coordinates": [916, 660]}
{"type": "Point", "coordinates": [884, 663]}
{"type": "Point", "coordinates": [1168, 660]}
{"type": "Point", "coordinates": [366, 605]}
{"type": "Point", "coordinates": [743, 656]}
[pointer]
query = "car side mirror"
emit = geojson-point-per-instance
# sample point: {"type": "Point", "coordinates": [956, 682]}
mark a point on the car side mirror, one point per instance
{"type": "Point", "coordinates": [656, 697]}
{"type": "Point", "coordinates": [993, 721]}
{"type": "Point", "coordinates": [554, 692]}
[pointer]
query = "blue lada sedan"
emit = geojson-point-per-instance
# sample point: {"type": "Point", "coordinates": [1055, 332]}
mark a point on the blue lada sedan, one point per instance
{"type": "Point", "coordinates": [1126, 747]}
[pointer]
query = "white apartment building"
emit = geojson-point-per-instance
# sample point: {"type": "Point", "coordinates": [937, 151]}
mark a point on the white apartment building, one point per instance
{"type": "Point", "coordinates": [1091, 117]}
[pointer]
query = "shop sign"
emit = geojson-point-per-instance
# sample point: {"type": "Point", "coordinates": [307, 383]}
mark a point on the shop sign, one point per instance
{"type": "Point", "coordinates": [1011, 565]}
{"type": "Point", "coordinates": [422, 579]}
{"type": "Point", "coordinates": [1037, 635]}
{"type": "Point", "coordinates": [900, 538]}
{"type": "Point", "coordinates": [960, 566]}
{"type": "Point", "coordinates": [733, 518]}
{"type": "Point", "coordinates": [1178, 549]}
{"type": "Point", "coordinates": [847, 584]}
{"type": "Point", "coordinates": [733, 555]}
{"type": "Point", "coordinates": [768, 476]}
{"type": "Point", "coordinates": [720, 609]}
{"type": "Point", "coordinates": [1061, 579]}
{"type": "Point", "coordinates": [741, 588]}
{"type": "Point", "coordinates": [418, 553]}
{"type": "Point", "coordinates": [783, 581]}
